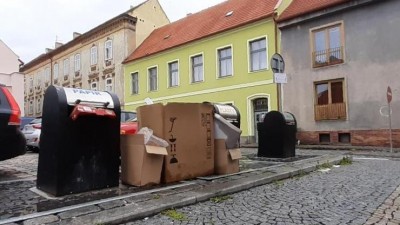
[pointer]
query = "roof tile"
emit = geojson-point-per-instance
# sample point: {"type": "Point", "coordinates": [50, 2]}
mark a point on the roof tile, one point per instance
{"type": "Point", "coordinates": [301, 7]}
{"type": "Point", "coordinates": [205, 23]}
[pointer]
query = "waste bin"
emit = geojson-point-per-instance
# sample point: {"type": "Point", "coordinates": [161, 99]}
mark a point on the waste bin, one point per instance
{"type": "Point", "coordinates": [277, 135]}
{"type": "Point", "coordinates": [79, 142]}
{"type": "Point", "coordinates": [227, 125]}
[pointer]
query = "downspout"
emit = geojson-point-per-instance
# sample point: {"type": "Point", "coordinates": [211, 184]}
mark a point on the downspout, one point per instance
{"type": "Point", "coordinates": [278, 86]}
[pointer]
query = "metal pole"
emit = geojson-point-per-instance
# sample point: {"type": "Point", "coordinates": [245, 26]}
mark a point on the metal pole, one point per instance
{"type": "Point", "coordinates": [390, 129]}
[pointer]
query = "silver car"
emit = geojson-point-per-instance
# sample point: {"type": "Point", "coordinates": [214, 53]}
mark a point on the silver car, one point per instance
{"type": "Point", "coordinates": [32, 134]}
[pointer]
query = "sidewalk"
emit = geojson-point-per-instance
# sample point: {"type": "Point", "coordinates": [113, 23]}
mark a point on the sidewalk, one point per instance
{"type": "Point", "coordinates": [129, 203]}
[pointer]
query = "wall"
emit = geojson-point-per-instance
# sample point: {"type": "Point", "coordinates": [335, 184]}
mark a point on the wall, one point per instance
{"type": "Point", "coordinates": [372, 56]}
{"type": "Point", "coordinates": [9, 60]}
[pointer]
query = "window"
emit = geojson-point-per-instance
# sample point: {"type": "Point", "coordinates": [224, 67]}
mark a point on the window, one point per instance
{"type": "Point", "coordinates": [153, 79]}
{"type": "Point", "coordinates": [77, 62]}
{"type": "Point", "coordinates": [38, 105]}
{"type": "Point", "coordinates": [173, 70]}
{"type": "Point", "coordinates": [225, 62]}
{"type": "Point", "coordinates": [135, 83]}
{"type": "Point", "coordinates": [329, 99]}
{"type": "Point", "coordinates": [30, 107]}
{"type": "Point", "coordinates": [66, 67]}
{"type": "Point", "coordinates": [93, 55]}
{"type": "Point", "coordinates": [31, 82]}
{"type": "Point", "coordinates": [109, 85]}
{"type": "Point", "coordinates": [108, 51]}
{"type": "Point", "coordinates": [258, 54]}
{"type": "Point", "coordinates": [55, 71]}
{"type": "Point", "coordinates": [38, 79]}
{"type": "Point", "coordinates": [327, 46]}
{"type": "Point", "coordinates": [93, 86]}
{"type": "Point", "coordinates": [197, 68]}
{"type": "Point", "coordinates": [47, 74]}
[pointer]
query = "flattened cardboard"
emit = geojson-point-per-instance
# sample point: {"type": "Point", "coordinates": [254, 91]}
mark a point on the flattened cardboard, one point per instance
{"type": "Point", "coordinates": [226, 160]}
{"type": "Point", "coordinates": [140, 164]}
{"type": "Point", "coordinates": [189, 129]}
{"type": "Point", "coordinates": [151, 116]}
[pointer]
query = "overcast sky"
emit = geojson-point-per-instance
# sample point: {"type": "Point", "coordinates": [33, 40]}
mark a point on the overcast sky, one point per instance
{"type": "Point", "coordinates": [30, 26]}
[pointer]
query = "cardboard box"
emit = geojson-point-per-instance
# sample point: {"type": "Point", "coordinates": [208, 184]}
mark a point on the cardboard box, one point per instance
{"type": "Point", "coordinates": [151, 116]}
{"type": "Point", "coordinates": [140, 164]}
{"type": "Point", "coordinates": [226, 160]}
{"type": "Point", "coordinates": [189, 129]}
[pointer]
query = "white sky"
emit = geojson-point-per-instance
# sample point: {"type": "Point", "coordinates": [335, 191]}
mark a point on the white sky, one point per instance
{"type": "Point", "coordinates": [30, 26]}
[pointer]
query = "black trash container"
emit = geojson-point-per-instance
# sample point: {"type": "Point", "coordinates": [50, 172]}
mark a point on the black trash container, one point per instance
{"type": "Point", "coordinates": [79, 142]}
{"type": "Point", "coordinates": [277, 135]}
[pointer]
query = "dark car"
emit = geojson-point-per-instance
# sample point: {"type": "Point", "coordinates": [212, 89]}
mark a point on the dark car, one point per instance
{"type": "Point", "coordinates": [127, 115]}
{"type": "Point", "coordinates": [12, 141]}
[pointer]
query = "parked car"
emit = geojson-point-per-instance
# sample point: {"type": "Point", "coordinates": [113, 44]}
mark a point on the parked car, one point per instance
{"type": "Point", "coordinates": [12, 141]}
{"type": "Point", "coordinates": [32, 132]}
{"type": "Point", "coordinates": [25, 121]}
{"type": "Point", "coordinates": [127, 115]}
{"type": "Point", "coordinates": [129, 126]}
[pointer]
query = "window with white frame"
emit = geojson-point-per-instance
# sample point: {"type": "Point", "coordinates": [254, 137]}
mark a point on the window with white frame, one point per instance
{"type": "Point", "coordinates": [173, 71]}
{"type": "Point", "coordinates": [109, 85]}
{"type": "Point", "coordinates": [47, 74]}
{"type": "Point", "coordinates": [39, 79]}
{"type": "Point", "coordinates": [93, 86]}
{"type": "Point", "coordinates": [108, 50]}
{"type": "Point", "coordinates": [30, 107]}
{"type": "Point", "coordinates": [258, 54]}
{"type": "Point", "coordinates": [135, 83]}
{"type": "Point", "coordinates": [93, 55]}
{"type": "Point", "coordinates": [225, 62]}
{"type": "Point", "coordinates": [31, 82]}
{"type": "Point", "coordinates": [38, 105]}
{"type": "Point", "coordinates": [77, 62]}
{"type": "Point", "coordinates": [55, 71]}
{"type": "Point", "coordinates": [152, 79]}
{"type": "Point", "coordinates": [197, 68]}
{"type": "Point", "coordinates": [66, 67]}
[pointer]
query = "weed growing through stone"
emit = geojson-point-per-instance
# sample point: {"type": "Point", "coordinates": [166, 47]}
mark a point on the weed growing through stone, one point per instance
{"type": "Point", "coordinates": [346, 161]}
{"type": "Point", "coordinates": [173, 214]}
{"type": "Point", "coordinates": [220, 199]}
{"type": "Point", "coordinates": [156, 196]}
{"type": "Point", "coordinates": [326, 165]}
{"type": "Point", "coordinates": [278, 183]}
{"type": "Point", "coordinates": [302, 173]}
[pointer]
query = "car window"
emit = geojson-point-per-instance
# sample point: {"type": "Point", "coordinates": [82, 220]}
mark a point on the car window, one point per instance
{"type": "Point", "coordinates": [127, 116]}
{"type": "Point", "coordinates": [38, 120]}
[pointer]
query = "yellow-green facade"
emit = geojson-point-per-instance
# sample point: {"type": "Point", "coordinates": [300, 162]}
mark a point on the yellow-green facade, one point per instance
{"type": "Point", "coordinates": [242, 89]}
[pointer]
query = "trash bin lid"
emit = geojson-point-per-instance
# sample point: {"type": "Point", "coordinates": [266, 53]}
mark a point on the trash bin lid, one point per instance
{"type": "Point", "coordinates": [226, 111]}
{"type": "Point", "coordinates": [289, 118]}
{"type": "Point", "coordinates": [101, 98]}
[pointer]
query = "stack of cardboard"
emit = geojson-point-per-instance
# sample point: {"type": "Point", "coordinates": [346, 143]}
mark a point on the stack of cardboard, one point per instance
{"type": "Point", "coordinates": [189, 129]}
{"type": "Point", "coordinates": [192, 152]}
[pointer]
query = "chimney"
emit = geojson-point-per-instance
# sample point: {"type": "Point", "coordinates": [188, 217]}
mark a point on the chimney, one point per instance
{"type": "Point", "coordinates": [58, 44]}
{"type": "Point", "coordinates": [76, 34]}
{"type": "Point", "coordinates": [47, 50]}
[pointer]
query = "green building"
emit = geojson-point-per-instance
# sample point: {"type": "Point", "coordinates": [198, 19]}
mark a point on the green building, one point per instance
{"type": "Point", "coordinates": [221, 55]}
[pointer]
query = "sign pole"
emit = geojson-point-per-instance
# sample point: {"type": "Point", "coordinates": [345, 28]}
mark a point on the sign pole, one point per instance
{"type": "Point", "coordinates": [389, 99]}
{"type": "Point", "coordinates": [390, 129]}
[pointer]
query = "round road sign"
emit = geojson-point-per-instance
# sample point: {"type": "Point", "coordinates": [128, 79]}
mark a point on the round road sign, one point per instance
{"type": "Point", "coordinates": [389, 94]}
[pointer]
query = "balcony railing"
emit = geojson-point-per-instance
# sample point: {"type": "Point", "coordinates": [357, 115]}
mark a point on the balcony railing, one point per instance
{"type": "Point", "coordinates": [336, 111]}
{"type": "Point", "coordinates": [328, 57]}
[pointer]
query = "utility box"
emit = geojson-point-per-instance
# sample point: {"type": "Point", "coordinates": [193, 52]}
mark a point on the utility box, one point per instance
{"type": "Point", "coordinates": [277, 135]}
{"type": "Point", "coordinates": [79, 142]}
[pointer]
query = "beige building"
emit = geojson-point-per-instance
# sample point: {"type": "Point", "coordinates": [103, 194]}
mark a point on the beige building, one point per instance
{"type": "Point", "coordinates": [92, 60]}
{"type": "Point", "coordinates": [9, 75]}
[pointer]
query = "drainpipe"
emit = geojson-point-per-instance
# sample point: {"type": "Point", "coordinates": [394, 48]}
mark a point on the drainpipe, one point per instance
{"type": "Point", "coordinates": [278, 86]}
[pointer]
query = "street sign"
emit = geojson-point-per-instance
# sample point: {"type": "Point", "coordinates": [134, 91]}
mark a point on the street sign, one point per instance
{"type": "Point", "coordinates": [280, 78]}
{"type": "Point", "coordinates": [389, 94]}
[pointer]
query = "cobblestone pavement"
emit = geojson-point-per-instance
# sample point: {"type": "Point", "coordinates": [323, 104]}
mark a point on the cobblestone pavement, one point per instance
{"type": "Point", "coordinates": [353, 194]}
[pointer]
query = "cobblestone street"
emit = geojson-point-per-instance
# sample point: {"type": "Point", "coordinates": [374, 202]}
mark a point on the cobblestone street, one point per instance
{"type": "Point", "coordinates": [345, 195]}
